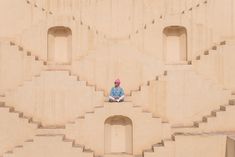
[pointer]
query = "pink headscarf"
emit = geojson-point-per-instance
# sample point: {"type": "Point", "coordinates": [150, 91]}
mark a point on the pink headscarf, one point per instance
{"type": "Point", "coordinates": [117, 81]}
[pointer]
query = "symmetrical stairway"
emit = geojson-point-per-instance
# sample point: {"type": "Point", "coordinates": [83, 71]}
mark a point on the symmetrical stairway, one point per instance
{"type": "Point", "coordinates": [140, 120]}
{"type": "Point", "coordinates": [175, 89]}
{"type": "Point", "coordinates": [134, 68]}
{"type": "Point", "coordinates": [82, 131]}
{"type": "Point", "coordinates": [95, 113]}
{"type": "Point", "coordinates": [53, 96]}
{"type": "Point", "coordinates": [50, 94]}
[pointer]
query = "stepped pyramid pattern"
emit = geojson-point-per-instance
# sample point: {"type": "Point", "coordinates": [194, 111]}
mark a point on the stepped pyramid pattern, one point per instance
{"type": "Point", "coordinates": [175, 60]}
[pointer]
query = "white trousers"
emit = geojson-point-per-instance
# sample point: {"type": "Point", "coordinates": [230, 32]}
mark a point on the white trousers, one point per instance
{"type": "Point", "coordinates": [112, 99]}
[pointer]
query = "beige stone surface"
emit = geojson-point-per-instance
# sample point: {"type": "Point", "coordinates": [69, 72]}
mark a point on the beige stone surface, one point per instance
{"type": "Point", "coordinates": [196, 146]}
{"type": "Point", "coordinates": [47, 97]}
{"type": "Point", "coordinates": [49, 146]}
{"type": "Point", "coordinates": [82, 131]}
{"type": "Point", "coordinates": [175, 60]}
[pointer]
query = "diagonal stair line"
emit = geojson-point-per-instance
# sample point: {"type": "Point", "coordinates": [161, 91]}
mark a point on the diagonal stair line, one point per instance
{"type": "Point", "coordinates": [102, 106]}
{"type": "Point", "coordinates": [148, 82]}
{"type": "Point", "coordinates": [93, 112]}
{"type": "Point", "coordinates": [206, 52]}
{"type": "Point", "coordinates": [73, 142]}
{"type": "Point", "coordinates": [87, 83]}
{"type": "Point", "coordinates": [11, 151]}
{"type": "Point", "coordinates": [37, 58]}
{"type": "Point", "coordinates": [30, 119]}
{"type": "Point", "coordinates": [196, 124]}
{"type": "Point", "coordinates": [223, 108]}
{"type": "Point", "coordinates": [73, 17]}
{"type": "Point", "coordinates": [27, 52]}
{"type": "Point", "coordinates": [164, 142]}
{"type": "Point", "coordinates": [161, 144]}
{"type": "Point", "coordinates": [19, 113]}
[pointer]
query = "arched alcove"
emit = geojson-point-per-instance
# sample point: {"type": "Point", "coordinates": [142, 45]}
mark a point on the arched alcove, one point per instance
{"type": "Point", "coordinates": [118, 135]}
{"type": "Point", "coordinates": [59, 45]}
{"type": "Point", "coordinates": [175, 44]}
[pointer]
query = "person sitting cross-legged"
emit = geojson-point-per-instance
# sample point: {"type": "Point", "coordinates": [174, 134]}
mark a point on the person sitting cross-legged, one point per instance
{"type": "Point", "coordinates": [116, 93]}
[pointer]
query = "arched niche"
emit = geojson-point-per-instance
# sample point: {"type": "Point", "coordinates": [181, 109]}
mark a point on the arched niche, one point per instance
{"type": "Point", "coordinates": [118, 135]}
{"type": "Point", "coordinates": [59, 45]}
{"type": "Point", "coordinates": [175, 44]}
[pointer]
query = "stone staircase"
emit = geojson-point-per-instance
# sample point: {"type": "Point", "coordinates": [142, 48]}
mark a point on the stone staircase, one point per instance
{"type": "Point", "coordinates": [213, 63]}
{"type": "Point", "coordinates": [212, 122]}
{"type": "Point", "coordinates": [21, 127]}
{"type": "Point", "coordinates": [210, 125]}
{"type": "Point", "coordinates": [212, 49]}
{"type": "Point", "coordinates": [22, 49]}
{"type": "Point", "coordinates": [165, 147]}
{"type": "Point", "coordinates": [48, 145]}
{"type": "Point", "coordinates": [150, 95]}
{"type": "Point", "coordinates": [209, 51]}
{"type": "Point", "coordinates": [35, 64]}
{"type": "Point", "coordinates": [140, 120]}
{"type": "Point", "coordinates": [20, 65]}
{"type": "Point", "coordinates": [105, 111]}
{"type": "Point", "coordinates": [197, 144]}
{"type": "Point", "coordinates": [22, 114]}
{"type": "Point", "coordinates": [59, 83]}
{"type": "Point", "coordinates": [19, 113]}
{"type": "Point", "coordinates": [189, 64]}
{"type": "Point", "coordinates": [120, 155]}
{"type": "Point", "coordinates": [161, 149]}
{"type": "Point", "coordinates": [162, 76]}
{"type": "Point", "coordinates": [158, 77]}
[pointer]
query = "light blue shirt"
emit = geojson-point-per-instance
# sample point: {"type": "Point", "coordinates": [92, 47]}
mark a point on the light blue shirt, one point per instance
{"type": "Point", "coordinates": [116, 92]}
